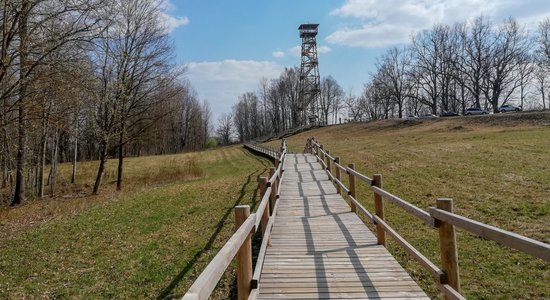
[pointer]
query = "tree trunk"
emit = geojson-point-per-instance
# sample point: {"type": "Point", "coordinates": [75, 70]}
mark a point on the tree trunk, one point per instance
{"type": "Point", "coordinates": [522, 93]}
{"type": "Point", "coordinates": [543, 96]}
{"type": "Point", "coordinates": [101, 169]}
{"type": "Point", "coordinates": [42, 159]}
{"type": "Point", "coordinates": [55, 154]}
{"type": "Point", "coordinates": [75, 156]}
{"type": "Point", "coordinates": [120, 159]}
{"type": "Point", "coordinates": [19, 193]}
{"type": "Point", "coordinates": [4, 171]}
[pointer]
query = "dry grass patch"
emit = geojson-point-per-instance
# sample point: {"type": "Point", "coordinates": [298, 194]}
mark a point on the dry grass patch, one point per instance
{"type": "Point", "coordinates": [140, 174]}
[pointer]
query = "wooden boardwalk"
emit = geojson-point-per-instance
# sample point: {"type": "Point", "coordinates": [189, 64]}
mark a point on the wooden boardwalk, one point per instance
{"type": "Point", "coordinates": [321, 250]}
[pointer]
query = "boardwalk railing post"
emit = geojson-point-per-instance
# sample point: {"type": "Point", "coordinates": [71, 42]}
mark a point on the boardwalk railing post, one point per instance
{"type": "Point", "coordinates": [322, 156]}
{"type": "Point", "coordinates": [447, 245]}
{"type": "Point", "coordinates": [262, 185]}
{"type": "Point", "coordinates": [244, 256]}
{"type": "Point", "coordinates": [338, 175]}
{"type": "Point", "coordinates": [352, 188]}
{"type": "Point", "coordinates": [329, 168]}
{"type": "Point", "coordinates": [379, 209]}
{"type": "Point", "coordinates": [273, 196]}
{"type": "Point", "coordinates": [316, 150]}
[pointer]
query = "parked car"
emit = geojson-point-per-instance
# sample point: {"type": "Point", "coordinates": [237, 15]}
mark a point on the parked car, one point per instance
{"type": "Point", "coordinates": [411, 117]}
{"type": "Point", "coordinates": [475, 111]}
{"type": "Point", "coordinates": [449, 114]}
{"type": "Point", "coordinates": [508, 107]}
{"type": "Point", "coordinates": [427, 116]}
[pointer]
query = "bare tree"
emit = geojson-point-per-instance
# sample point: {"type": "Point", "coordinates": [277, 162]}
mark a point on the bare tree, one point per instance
{"type": "Point", "coordinates": [331, 94]}
{"type": "Point", "coordinates": [477, 40]}
{"type": "Point", "coordinates": [393, 74]}
{"type": "Point", "coordinates": [541, 78]}
{"type": "Point", "coordinates": [542, 56]}
{"type": "Point", "coordinates": [511, 42]}
{"type": "Point", "coordinates": [225, 128]}
{"type": "Point", "coordinates": [525, 70]}
{"type": "Point", "coordinates": [134, 53]}
{"type": "Point", "coordinates": [432, 66]}
{"type": "Point", "coordinates": [31, 32]}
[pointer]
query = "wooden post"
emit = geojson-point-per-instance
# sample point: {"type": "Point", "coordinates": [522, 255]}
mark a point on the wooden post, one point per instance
{"type": "Point", "coordinates": [316, 150]}
{"type": "Point", "coordinates": [273, 196]}
{"type": "Point", "coordinates": [277, 162]}
{"type": "Point", "coordinates": [262, 186]}
{"type": "Point", "coordinates": [447, 245]}
{"type": "Point", "coordinates": [379, 209]}
{"type": "Point", "coordinates": [338, 175]}
{"type": "Point", "coordinates": [352, 188]}
{"type": "Point", "coordinates": [244, 256]}
{"type": "Point", "coordinates": [329, 167]}
{"type": "Point", "coordinates": [322, 156]}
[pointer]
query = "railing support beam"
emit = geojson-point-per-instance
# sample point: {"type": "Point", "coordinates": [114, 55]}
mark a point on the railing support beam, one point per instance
{"type": "Point", "coordinates": [379, 210]}
{"type": "Point", "coordinates": [274, 188]}
{"type": "Point", "coordinates": [244, 256]}
{"type": "Point", "coordinates": [352, 191]}
{"type": "Point", "coordinates": [448, 247]}
{"type": "Point", "coordinates": [329, 167]}
{"type": "Point", "coordinates": [338, 175]}
{"type": "Point", "coordinates": [262, 186]}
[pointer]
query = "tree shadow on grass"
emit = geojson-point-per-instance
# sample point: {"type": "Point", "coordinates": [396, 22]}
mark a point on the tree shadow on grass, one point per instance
{"type": "Point", "coordinates": [166, 292]}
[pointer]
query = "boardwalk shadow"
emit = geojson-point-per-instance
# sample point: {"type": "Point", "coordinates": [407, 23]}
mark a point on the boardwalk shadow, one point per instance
{"type": "Point", "coordinates": [323, 277]}
{"type": "Point", "coordinates": [166, 292]}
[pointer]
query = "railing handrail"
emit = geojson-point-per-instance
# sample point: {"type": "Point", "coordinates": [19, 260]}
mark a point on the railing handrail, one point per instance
{"type": "Point", "coordinates": [433, 218]}
{"type": "Point", "coordinates": [501, 236]}
{"type": "Point", "coordinates": [208, 279]}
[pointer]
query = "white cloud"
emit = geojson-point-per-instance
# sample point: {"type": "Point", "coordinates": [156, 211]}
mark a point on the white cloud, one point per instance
{"type": "Point", "coordinates": [371, 36]}
{"type": "Point", "coordinates": [295, 51]}
{"type": "Point", "coordinates": [222, 82]}
{"type": "Point", "coordinates": [171, 22]}
{"type": "Point", "coordinates": [323, 49]}
{"type": "Point", "coordinates": [278, 54]}
{"type": "Point", "coordinates": [379, 23]}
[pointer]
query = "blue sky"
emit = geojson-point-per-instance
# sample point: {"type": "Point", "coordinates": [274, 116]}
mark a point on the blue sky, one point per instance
{"type": "Point", "coordinates": [228, 46]}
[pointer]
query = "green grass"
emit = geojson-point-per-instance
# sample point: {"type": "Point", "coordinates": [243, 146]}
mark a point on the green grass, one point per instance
{"type": "Point", "coordinates": [496, 174]}
{"type": "Point", "coordinates": [151, 241]}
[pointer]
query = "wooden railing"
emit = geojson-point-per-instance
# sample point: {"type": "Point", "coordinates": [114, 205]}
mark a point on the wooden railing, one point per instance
{"type": "Point", "coordinates": [240, 243]}
{"type": "Point", "coordinates": [442, 217]}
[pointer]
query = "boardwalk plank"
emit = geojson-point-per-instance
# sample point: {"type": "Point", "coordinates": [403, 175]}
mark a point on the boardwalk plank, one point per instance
{"type": "Point", "coordinates": [321, 250]}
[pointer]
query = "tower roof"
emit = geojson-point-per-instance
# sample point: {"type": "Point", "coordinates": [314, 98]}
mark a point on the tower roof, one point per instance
{"type": "Point", "coordinates": [308, 30]}
{"type": "Point", "coordinates": [308, 26]}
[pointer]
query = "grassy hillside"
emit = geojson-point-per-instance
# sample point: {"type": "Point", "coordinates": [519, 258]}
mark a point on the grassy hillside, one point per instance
{"type": "Point", "coordinates": [149, 241]}
{"type": "Point", "coordinates": [497, 170]}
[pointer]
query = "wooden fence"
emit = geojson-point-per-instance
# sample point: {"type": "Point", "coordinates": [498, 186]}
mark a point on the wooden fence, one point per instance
{"type": "Point", "coordinates": [239, 244]}
{"type": "Point", "coordinates": [441, 217]}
